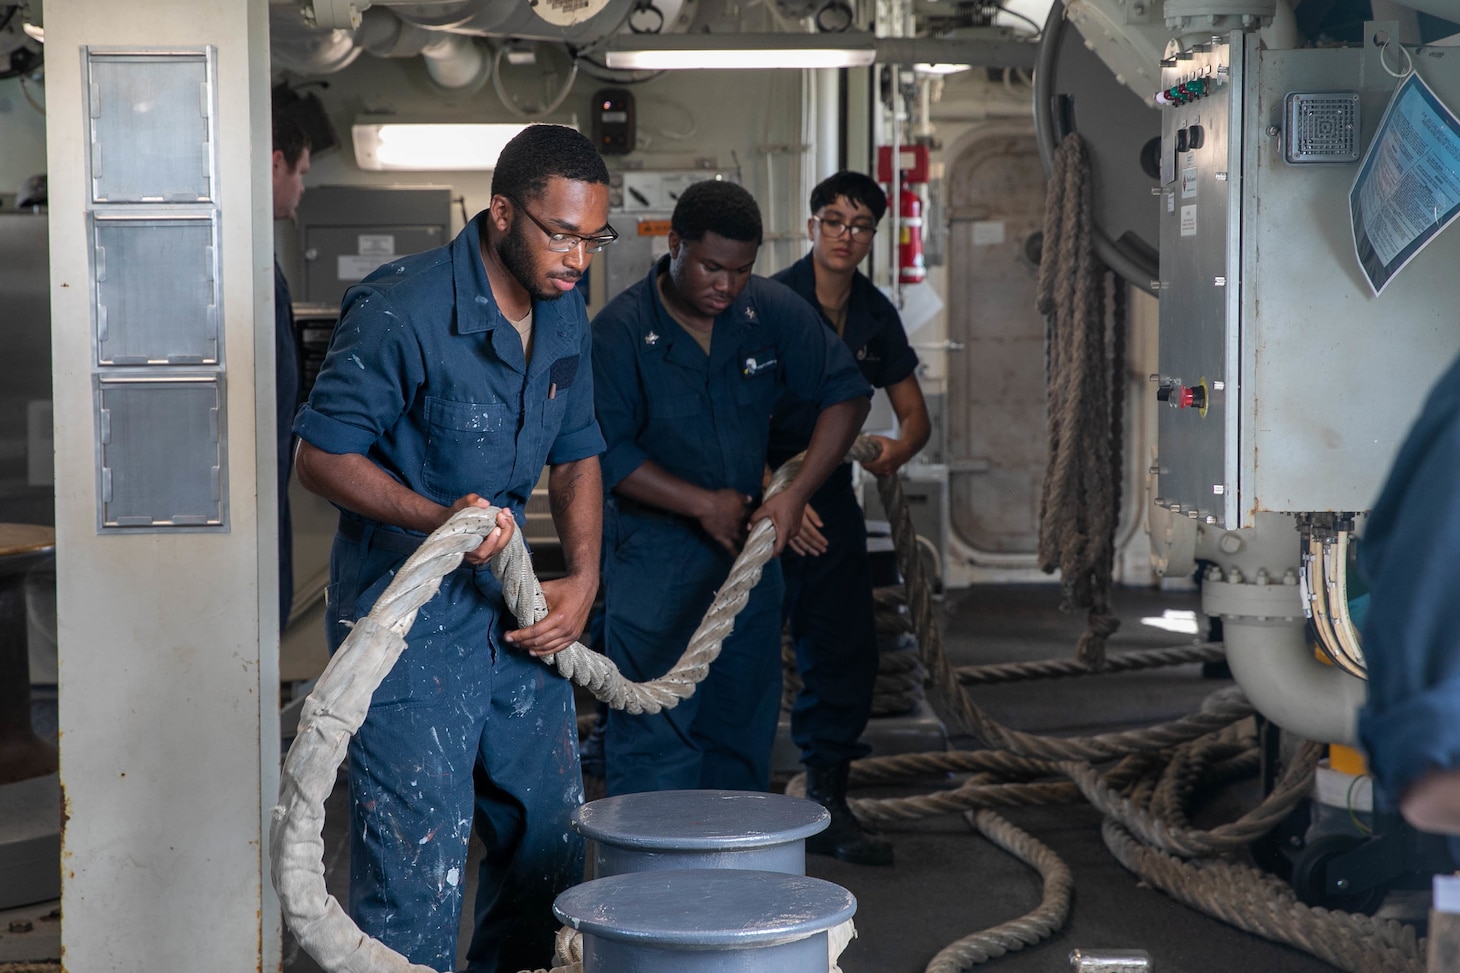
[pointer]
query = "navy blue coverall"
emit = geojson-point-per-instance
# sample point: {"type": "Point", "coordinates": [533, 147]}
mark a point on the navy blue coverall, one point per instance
{"type": "Point", "coordinates": [287, 380]}
{"type": "Point", "coordinates": [428, 379]}
{"type": "Point", "coordinates": [828, 600]}
{"type": "Point", "coordinates": [1410, 724]}
{"type": "Point", "coordinates": [704, 419]}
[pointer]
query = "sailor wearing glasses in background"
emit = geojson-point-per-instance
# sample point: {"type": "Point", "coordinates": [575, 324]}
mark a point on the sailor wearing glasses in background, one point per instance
{"type": "Point", "coordinates": [828, 601]}
{"type": "Point", "coordinates": [452, 377]}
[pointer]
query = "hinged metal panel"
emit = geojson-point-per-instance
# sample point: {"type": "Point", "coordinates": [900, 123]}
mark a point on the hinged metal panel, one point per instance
{"type": "Point", "coordinates": [156, 290]}
{"type": "Point", "coordinates": [152, 123]}
{"type": "Point", "coordinates": [1201, 204]}
{"type": "Point", "coordinates": [160, 452]}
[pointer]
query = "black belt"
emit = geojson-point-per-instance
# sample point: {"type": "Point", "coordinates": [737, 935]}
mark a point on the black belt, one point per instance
{"type": "Point", "coordinates": [371, 534]}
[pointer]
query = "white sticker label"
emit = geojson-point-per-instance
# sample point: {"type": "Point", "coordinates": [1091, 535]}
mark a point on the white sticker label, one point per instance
{"type": "Point", "coordinates": [988, 233]}
{"type": "Point", "coordinates": [1188, 182]}
{"type": "Point", "coordinates": [353, 267]}
{"type": "Point", "coordinates": [376, 244]}
{"type": "Point", "coordinates": [1188, 220]}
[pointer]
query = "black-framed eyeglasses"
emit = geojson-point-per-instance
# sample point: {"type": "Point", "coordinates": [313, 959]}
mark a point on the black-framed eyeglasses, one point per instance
{"type": "Point", "coordinates": [836, 229]}
{"type": "Point", "coordinates": [559, 242]}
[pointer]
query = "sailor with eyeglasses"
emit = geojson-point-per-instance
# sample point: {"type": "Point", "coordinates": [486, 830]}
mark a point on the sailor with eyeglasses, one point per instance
{"type": "Point", "coordinates": [452, 377]}
{"type": "Point", "coordinates": [828, 602]}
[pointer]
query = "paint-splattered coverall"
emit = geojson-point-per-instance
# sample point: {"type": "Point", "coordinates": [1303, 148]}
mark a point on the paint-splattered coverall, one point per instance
{"type": "Point", "coordinates": [427, 378]}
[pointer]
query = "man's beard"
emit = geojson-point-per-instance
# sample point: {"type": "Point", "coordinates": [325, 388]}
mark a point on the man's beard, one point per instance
{"type": "Point", "coordinates": [516, 256]}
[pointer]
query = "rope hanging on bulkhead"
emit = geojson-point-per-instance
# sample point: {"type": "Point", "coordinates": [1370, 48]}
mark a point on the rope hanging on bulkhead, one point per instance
{"type": "Point", "coordinates": [1085, 382]}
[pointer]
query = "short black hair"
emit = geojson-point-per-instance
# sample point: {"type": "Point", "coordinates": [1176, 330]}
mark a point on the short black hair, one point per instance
{"type": "Point", "coordinates": [290, 139]}
{"type": "Point", "coordinates": [538, 153]}
{"type": "Point", "coordinates": [855, 187]}
{"type": "Point", "coordinates": [715, 206]}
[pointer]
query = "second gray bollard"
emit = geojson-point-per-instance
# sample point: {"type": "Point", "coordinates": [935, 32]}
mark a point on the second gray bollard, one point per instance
{"type": "Point", "coordinates": [705, 921]}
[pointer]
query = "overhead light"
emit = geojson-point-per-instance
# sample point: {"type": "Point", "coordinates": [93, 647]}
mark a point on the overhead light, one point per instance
{"type": "Point", "coordinates": [671, 52]}
{"type": "Point", "coordinates": [940, 68]}
{"type": "Point", "coordinates": [431, 145]}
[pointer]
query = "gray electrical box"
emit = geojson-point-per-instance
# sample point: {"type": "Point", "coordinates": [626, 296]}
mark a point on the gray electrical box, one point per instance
{"type": "Point", "coordinates": [345, 232]}
{"type": "Point", "coordinates": [1287, 385]}
{"type": "Point", "coordinates": [640, 205]}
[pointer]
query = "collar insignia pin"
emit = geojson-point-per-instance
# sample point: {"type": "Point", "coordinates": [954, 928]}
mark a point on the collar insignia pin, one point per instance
{"type": "Point", "coordinates": [650, 338]}
{"type": "Point", "coordinates": [750, 314]}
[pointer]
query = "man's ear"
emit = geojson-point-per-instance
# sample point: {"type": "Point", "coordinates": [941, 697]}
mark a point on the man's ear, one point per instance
{"type": "Point", "coordinates": [811, 228]}
{"type": "Point", "coordinates": [500, 212]}
{"type": "Point", "coordinates": [674, 244]}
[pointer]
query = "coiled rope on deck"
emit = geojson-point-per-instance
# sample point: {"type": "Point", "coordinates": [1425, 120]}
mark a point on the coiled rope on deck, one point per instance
{"type": "Point", "coordinates": [337, 706]}
{"type": "Point", "coordinates": [1150, 775]}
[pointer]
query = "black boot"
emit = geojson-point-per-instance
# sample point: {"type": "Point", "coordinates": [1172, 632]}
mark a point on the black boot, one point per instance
{"type": "Point", "coordinates": [844, 838]}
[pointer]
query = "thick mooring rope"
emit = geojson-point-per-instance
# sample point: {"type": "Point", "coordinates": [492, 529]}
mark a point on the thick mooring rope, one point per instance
{"type": "Point", "coordinates": [1027, 930]}
{"type": "Point", "coordinates": [1143, 792]}
{"type": "Point", "coordinates": [337, 706]}
{"type": "Point", "coordinates": [1064, 668]}
{"type": "Point", "coordinates": [1085, 389]}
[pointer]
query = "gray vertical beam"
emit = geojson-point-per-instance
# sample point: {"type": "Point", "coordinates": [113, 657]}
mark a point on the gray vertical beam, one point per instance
{"type": "Point", "coordinates": [168, 641]}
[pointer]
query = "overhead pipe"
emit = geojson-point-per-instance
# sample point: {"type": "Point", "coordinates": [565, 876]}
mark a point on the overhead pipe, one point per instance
{"type": "Point", "coordinates": [454, 61]}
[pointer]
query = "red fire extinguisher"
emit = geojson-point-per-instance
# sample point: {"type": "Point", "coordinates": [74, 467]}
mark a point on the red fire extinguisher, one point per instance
{"type": "Point", "coordinates": [910, 268]}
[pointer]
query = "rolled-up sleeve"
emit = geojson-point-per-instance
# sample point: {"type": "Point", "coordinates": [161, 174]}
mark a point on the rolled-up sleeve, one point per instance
{"type": "Point", "coordinates": [368, 379]}
{"type": "Point", "coordinates": [580, 436]}
{"type": "Point", "coordinates": [617, 397]}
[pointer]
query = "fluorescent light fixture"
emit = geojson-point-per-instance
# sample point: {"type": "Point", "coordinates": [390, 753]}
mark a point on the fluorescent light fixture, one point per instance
{"type": "Point", "coordinates": [431, 145]}
{"type": "Point", "coordinates": [670, 52]}
{"type": "Point", "coordinates": [940, 68]}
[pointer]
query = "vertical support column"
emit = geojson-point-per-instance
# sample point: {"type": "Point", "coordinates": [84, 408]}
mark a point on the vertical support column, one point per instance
{"type": "Point", "coordinates": [828, 124]}
{"type": "Point", "coordinates": [168, 639]}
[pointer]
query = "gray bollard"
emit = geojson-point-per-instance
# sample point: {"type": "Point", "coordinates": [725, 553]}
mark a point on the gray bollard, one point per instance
{"type": "Point", "coordinates": [660, 830]}
{"type": "Point", "coordinates": [705, 921]}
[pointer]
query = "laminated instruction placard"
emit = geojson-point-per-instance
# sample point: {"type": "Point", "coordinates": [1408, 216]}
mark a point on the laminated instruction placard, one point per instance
{"type": "Point", "coordinates": [1408, 186]}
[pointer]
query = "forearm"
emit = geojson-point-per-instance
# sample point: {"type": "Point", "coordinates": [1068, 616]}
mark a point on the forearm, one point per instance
{"type": "Point", "coordinates": [1432, 803]}
{"type": "Point", "coordinates": [353, 482]}
{"type": "Point", "coordinates": [836, 428]}
{"type": "Point", "coordinates": [913, 431]}
{"type": "Point", "coordinates": [653, 485]}
{"type": "Point", "coordinates": [575, 493]}
{"type": "Point", "coordinates": [911, 409]}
